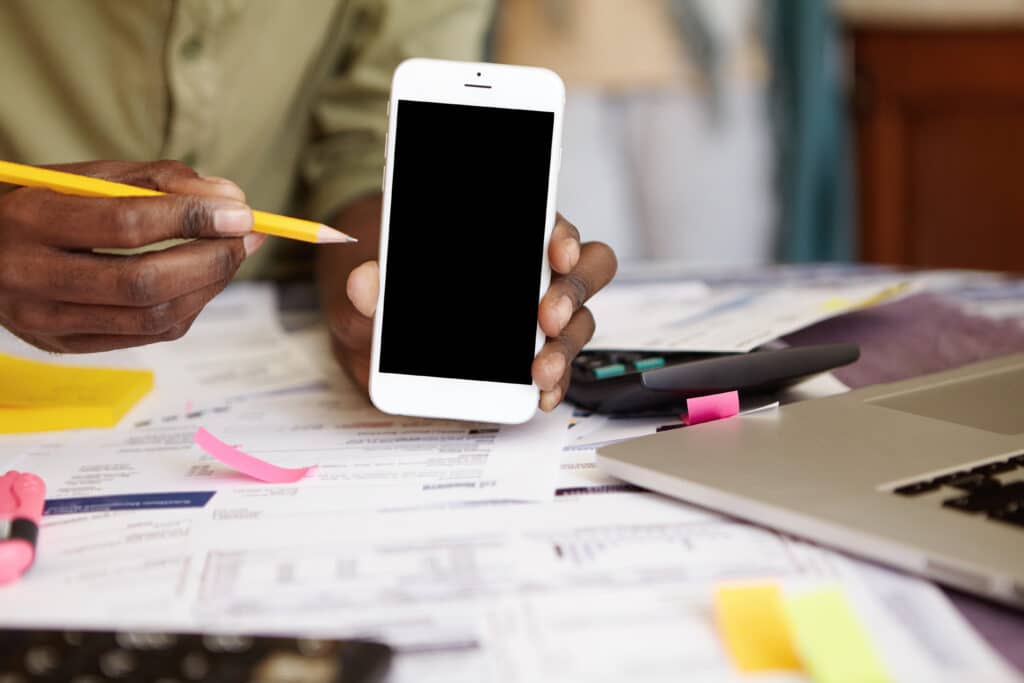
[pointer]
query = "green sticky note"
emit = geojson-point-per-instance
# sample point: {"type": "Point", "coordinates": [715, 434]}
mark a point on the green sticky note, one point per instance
{"type": "Point", "coordinates": [832, 643]}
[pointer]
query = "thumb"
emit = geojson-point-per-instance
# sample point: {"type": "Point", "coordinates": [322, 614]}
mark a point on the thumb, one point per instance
{"type": "Point", "coordinates": [363, 287]}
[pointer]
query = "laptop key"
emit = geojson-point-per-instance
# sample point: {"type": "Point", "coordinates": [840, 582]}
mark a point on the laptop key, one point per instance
{"type": "Point", "coordinates": [1010, 516]}
{"type": "Point", "coordinates": [967, 503]}
{"type": "Point", "coordinates": [994, 468]}
{"type": "Point", "coordinates": [952, 476]}
{"type": "Point", "coordinates": [989, 499]}
{"type": "Point", "coordinates": [917, 488]}
{"type": "Point", "coordinates": [974, 482]}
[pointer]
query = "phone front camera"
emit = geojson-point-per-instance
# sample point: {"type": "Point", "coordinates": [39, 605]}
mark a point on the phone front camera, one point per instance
{"type": "Point", "coordinates": [478, 73]}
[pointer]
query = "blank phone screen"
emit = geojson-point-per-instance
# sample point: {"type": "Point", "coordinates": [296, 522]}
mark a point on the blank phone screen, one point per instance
{"type": "Point", "coordinates": [469, 200]}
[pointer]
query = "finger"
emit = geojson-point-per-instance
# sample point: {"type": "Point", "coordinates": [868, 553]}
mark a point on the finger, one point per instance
{"type": "Point", "coordinates": [165, 176]}
{"type": "Point", "coordinates": [124, 222]}
{"type": "Point", "coordinates": [552, 364]}
{"type": "Point", "coordinates": [351, 324]}
{"type": "Point", "coordinates": [59, 319]}
{"type": "Point", "coordinates": [96, 343]}
{"type": "Point", "coordinates": [355, 362]}
{"type": "Point", "coordinates": [363, 287]}
{"type": "Point", "coordinates": [138, 281]}
{"type": "Point", "coordinates": [569, 292]}
{"type": "Point", "coordinates": [564, 248]}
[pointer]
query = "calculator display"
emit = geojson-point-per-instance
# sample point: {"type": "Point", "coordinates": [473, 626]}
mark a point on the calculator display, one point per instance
{"type": "Point", "coordinates": [468, 209]}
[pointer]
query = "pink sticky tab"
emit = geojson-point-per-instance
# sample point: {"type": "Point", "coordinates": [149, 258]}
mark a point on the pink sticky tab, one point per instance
{"type": "Point", "coordinates": [248, 464]}
{"type": "Point", "coordinates": [712, 407]}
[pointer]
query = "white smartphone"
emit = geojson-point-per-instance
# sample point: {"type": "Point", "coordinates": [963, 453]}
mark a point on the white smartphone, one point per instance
{"type": "Point", "coordinates": [469, 204]}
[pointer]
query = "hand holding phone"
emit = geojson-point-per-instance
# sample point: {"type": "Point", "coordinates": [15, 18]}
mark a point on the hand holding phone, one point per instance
{"type": "Point", "coordinates": [467, 228]}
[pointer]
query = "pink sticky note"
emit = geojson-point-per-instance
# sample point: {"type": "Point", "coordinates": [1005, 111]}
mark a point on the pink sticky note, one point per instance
{"type": "Point", "coordinates": [712, 407]}
{"type": "Point", "coordinates": [248, 464]}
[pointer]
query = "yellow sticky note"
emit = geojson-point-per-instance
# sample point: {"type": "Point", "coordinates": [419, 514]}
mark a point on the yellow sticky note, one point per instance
{"type": "Point", "coordinates": [39, 397]}
{"type": "Point", "coordinates": [752, 621]}
{"type": "Point", "coordinates": [832, 642]}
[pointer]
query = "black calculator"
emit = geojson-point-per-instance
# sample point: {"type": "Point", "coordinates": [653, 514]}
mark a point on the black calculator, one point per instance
{"type": "Point", "coordinates": [638, 383]}
{"type": "Point", "coordinates": [140, 657]}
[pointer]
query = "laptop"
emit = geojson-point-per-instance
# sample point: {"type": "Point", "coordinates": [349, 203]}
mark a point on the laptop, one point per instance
{"type": "Point", "coordinates": [925, 474]}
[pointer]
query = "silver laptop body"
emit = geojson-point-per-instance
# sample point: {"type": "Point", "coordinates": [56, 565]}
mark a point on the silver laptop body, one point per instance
{"type": "Point", "coordinates": [925, 474]}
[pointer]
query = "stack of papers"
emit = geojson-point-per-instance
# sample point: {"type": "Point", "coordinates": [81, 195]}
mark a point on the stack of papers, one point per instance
{"type": "Point", "coordinates": [480, 552]}
{"type": "Point", "coordinates": [689, 316]}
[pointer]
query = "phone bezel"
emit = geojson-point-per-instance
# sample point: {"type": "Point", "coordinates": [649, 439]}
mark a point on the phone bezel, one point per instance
{"type": "Point", "coordinates": [450, 82]}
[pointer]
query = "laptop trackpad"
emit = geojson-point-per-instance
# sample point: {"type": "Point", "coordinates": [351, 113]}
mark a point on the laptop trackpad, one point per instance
{"type": "Point", "coordinates": [994, 402]}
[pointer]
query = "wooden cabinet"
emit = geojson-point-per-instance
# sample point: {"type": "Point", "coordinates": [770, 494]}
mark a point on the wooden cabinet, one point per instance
{"type": "Point", "coordinates": [939, 116]}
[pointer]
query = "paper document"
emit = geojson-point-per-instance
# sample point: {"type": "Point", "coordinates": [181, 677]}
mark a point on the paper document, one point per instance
{"type": "Point", "coordinates": [596, 430]}
{"type": "Point", "coordinates": [234, 349]}
{"type": "Point", "coordinates": [480, 552]}
{"type": "Point", "coordinates": [364, 459]}
{"type": "Point", "coordinates": [587, 588]}
{"type": "Point", "coordinates": [669, 317]}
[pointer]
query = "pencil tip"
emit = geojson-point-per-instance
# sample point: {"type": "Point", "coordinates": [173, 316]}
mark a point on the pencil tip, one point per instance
{"type": "Point", "coordinates": [326, 235]}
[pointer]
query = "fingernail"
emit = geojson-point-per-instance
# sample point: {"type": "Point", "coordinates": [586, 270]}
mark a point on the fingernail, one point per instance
{"type": "Point", "coordinates": [217, 179]}
{"type": "Point", "coordinates": [252, 242]}
{"type": "Point", "coordinates": [549, 399]}
{"type": "Point", "coordinates": [564, 308]}
{"type": "Point", "coordinates": [556, 367]}
{"type": "Point", "coordinates": [224, 185]}
{"type": "Point", "coordinates": [573, 248]}
{"type": "Point", "coordinates": [232, 219]}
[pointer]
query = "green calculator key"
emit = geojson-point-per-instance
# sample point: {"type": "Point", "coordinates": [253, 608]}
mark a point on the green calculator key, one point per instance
{"type": "Point", "coordinates": [649, 363]}
{"type": "Point", "coordinates": [606, 371]}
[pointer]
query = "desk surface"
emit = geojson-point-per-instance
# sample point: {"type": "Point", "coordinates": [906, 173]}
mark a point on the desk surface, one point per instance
{"type": "Point", "coordinates": [921, 334]}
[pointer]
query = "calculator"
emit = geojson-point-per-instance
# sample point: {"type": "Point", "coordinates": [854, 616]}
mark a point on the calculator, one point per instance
{"type": "Point", "coordinates": [27, 656]}
{"type": "Point", "coordinates": [640, 383]}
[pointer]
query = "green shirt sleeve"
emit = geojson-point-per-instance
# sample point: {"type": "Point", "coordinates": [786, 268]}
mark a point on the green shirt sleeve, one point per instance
{"type": "Point", "coordinates": [345, 157]}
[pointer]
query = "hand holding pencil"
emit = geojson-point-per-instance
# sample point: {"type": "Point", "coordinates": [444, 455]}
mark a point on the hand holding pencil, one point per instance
{"type": "Point", "coordinates": [59, 295]}
{"type": "Point", "coordinates": [86, 186]}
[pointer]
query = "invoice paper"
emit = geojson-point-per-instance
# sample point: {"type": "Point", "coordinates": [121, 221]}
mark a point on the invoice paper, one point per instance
{"type": "Point", "coordinates": [601, 587]}
{"type": "Point", "coordinates": [364, 458]}
{"type": "Point", "coordinates": [673, 316]}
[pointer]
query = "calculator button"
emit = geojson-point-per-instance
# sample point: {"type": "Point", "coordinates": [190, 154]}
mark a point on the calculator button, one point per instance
{"type": "Point", "coordinates": [195, 667]}
{"type": "Point", "coordinates": [606, 371]}
{"type": "Point", "coordinates": [649, 363]}
{"type": "Point", "coordinates": [42, 660]}
{"type": "Point", "coordinates": [117, 663]}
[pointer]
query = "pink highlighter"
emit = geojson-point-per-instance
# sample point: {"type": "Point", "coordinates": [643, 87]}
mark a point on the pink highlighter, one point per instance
{"type": "Point", "coordinates": [21, 507]}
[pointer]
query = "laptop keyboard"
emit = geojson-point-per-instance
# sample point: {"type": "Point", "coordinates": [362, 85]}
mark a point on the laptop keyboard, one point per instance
{"type": "Point", "coordinates": [995, 490]}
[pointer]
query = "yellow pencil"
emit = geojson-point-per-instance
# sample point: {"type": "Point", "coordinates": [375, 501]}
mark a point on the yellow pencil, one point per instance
{"type": "Point", "coordinates": [72, 183]}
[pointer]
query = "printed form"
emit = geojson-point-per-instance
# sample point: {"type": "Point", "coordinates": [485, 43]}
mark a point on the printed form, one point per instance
{"type": "Point", "coordinates": [687, 316]}
{"type": "Point", "coordinates": [481, 553]}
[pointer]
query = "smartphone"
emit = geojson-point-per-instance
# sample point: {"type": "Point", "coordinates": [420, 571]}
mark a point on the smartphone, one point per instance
{"type": "Point", "coordinates": [469, 204]}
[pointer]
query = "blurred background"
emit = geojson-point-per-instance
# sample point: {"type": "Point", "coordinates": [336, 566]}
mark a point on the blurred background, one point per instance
{"type": "Point", "coordinates": [744, 132]}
